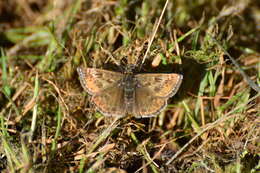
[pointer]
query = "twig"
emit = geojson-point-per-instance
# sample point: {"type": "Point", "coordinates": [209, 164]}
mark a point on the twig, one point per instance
{"type": "Point", "coordinates": [154, 32]}
{"type": "Point", "coordinates": [212, 125]}
{"type": "Point", "coordinates": [104, 135]}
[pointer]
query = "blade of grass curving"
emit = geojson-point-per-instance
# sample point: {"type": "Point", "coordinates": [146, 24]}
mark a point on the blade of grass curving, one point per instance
{"type": "Point", "coordinates": [26, 157]}
{"type": "Point", "coordinates": [104, 135]}
{"type": "Point", "coordinates": [57, 133]}
{"type": "Point", "coordinates": [154, 32]}
{"type": "Point", "coordinates": [202, 88]}
{"type": "Point", "coordinates": [5, 89]}
{"type": "Point", "coordinates": [146, 155]}
{"type": "Point", "coordinates": [236, 98]}
{"type": "Point", "coordinates": [13, 161]}
{"type": "Point", "coordinates": [28, 37]}
{"type": "Point", "coordinates": [212, 78]}
{"type": "Point", "coordinates": [194, 124]}
{"type": "Point", "coordinates": [81, 165]}
{"type": "Point", "coordinates": [183, 37]}
{"type": "Point", "coordinates": [35, 98]}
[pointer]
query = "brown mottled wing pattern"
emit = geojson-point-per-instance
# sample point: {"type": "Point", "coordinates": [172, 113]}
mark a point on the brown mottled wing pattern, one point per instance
{"type": "Point", "coordinates": [107, 90]}
{"type": "Point", "coordinates": [110, 102]}
{"type": "Point", "coordinates": [104, 87]}
{"type": "Point", "coordinates": [146, 104]}
{"type": "Point", "coordinates": [96, 80]}
{"type": "Point", "coordinates": [160, 84]}
{"type": "Point", "coordinates": [153, 91]}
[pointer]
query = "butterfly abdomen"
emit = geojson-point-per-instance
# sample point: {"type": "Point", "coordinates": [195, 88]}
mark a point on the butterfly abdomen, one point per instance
{"type": "Point", "coordinates": [129, 89]}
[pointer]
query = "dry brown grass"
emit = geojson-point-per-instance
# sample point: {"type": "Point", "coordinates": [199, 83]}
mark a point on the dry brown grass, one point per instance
{"type": "Point", "coordinates": [49, 125]}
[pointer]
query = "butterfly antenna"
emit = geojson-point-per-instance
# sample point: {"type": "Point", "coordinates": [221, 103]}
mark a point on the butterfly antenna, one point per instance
{"type": "Point", "coordinates": [154, 32]}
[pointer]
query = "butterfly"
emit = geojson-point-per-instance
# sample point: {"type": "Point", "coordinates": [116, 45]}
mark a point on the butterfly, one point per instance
{"type": "Point", "coordinates": [120, 94]}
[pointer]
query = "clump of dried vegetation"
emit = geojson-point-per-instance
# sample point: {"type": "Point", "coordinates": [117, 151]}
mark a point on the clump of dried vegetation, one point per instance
{"type": "Point", "coordinates": [49, 125]}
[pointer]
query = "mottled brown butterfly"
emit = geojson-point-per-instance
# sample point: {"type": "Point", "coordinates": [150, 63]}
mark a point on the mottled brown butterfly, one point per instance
{"type": "Point", "coordinates": [120, 94]}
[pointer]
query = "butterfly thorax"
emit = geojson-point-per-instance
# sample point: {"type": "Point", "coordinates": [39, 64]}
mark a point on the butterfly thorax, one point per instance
{"type": "Point", "coordinates": [129, 84]}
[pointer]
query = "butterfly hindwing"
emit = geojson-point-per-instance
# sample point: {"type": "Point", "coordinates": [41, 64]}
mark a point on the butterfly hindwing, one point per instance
{"type": "Point", "coordinates": [146, 104]}
{"type": "Point", "coordinates": [110, 102]}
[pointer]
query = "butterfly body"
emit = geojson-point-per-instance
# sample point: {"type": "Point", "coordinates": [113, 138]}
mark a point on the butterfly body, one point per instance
{"type": "Point", "coordinates": [120, 94]}
{"type": "Point", "coordinates": [129, 85]}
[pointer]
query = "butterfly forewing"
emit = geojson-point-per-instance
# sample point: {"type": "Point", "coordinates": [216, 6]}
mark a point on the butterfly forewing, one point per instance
{"type": "Point", "coordinates": [161, 85]}
{"type": "Point", "coordinates": [96, 80]}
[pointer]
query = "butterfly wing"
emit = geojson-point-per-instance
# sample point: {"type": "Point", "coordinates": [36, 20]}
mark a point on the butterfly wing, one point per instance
{"type": "Point", "coordinates": [146, 104]}
{"type": "Point", "coordinates": [152, 92]}
{"type": "Point", "coordinates": [161, 85]}
{"type": "Point", "coordinates": [110, 102]}
{"type": "Point", "coordinates": [97, 80]}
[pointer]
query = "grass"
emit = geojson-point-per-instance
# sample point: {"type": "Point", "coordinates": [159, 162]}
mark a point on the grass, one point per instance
{"type": "Point", "coordinates": [48, 123]}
